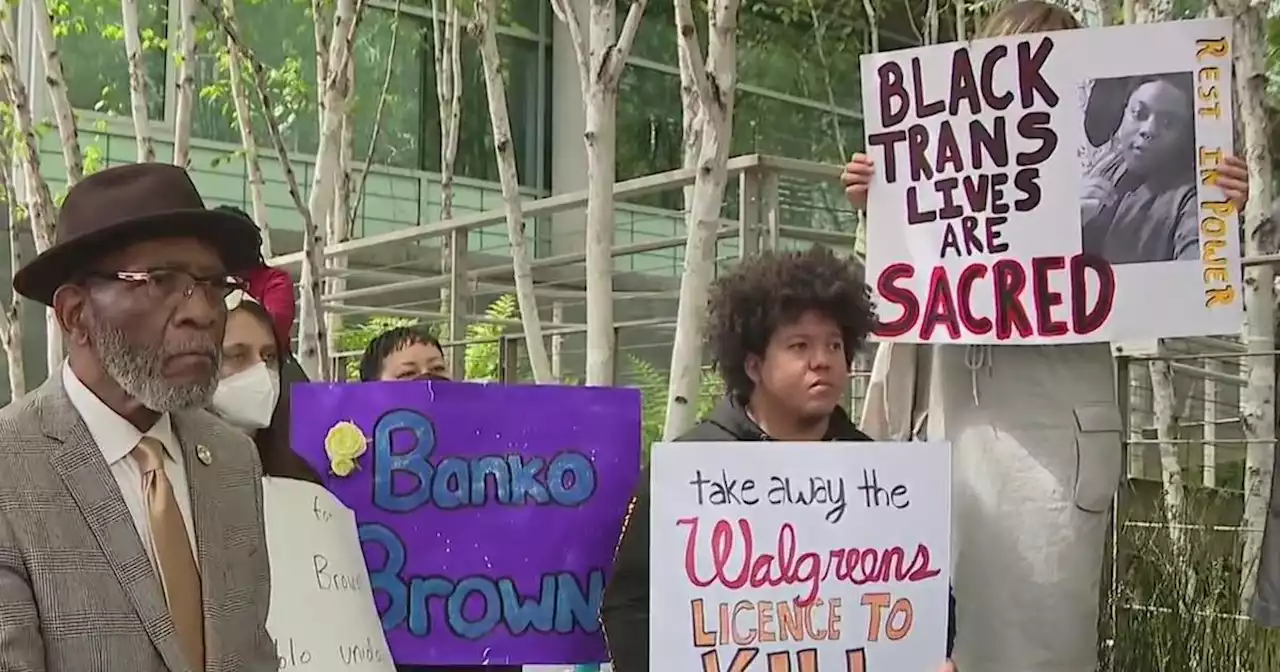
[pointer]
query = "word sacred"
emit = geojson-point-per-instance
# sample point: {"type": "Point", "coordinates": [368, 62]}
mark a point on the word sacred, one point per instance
{"type": "Point", "coordinates": [1053, 290]}
{"type": "Point", "coordinates": [780, 661]}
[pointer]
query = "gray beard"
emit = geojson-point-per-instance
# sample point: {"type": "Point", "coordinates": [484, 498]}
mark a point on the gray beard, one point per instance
{"type": "Point", "coordinates": [139, 371]}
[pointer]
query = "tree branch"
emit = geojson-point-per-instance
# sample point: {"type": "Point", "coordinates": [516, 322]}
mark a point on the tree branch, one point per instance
{"type": "Point", "coordinates": [564, 11]}
{"type": "Point", "coordinates": [691, 52]}
{"type": "Point", "coordinates": [626, 39]}
{"type": "Point", "coordinates": [377, 116]}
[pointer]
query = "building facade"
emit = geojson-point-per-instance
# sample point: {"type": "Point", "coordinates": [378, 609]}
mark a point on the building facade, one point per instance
{"type": "Point", "coordinates": [798, 97]}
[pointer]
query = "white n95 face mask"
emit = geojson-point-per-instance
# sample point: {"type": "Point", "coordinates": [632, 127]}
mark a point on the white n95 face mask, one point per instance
{"type": "Point", "coordinates": [248, 399]}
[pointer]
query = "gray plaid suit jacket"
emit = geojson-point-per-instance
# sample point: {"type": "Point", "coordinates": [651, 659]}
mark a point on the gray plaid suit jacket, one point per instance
{"type": "Point", "coordinates": [78, 592]}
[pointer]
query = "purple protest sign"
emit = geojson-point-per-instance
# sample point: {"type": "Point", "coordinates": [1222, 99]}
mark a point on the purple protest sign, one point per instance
{"type": "Point", "coordinates": [488, 514]}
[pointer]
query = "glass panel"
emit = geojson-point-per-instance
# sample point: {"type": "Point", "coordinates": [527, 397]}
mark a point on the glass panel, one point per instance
{"type": "Point", "coordinates": [523, 62]}
{"type": "Point", "coordinates": [398, 134]}
{"type": "Point", "coordinates": [656, 40]}
{"type": "Point", "coordinates": [807, 134]}
{"type": "Point", "coordinates": [782, 48]}
{"type": "Point", "coordinates": [94, 61]}
{"type": "Point", "coordinates": [649, 129]}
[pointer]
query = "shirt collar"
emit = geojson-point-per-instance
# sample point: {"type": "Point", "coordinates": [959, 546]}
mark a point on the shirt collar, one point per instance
{"type": "Point", "coordinates": [115, 436]}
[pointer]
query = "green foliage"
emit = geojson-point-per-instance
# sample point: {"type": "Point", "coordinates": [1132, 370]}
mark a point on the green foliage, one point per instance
{"type": "Point", "coordinates": [1176, 606]}
{"type": "Point", "coordinates": [654, 384]}
{"type": "Point", "coordinates": [484, 357]}
{"type": "Point", "coordinates": [354, 338]}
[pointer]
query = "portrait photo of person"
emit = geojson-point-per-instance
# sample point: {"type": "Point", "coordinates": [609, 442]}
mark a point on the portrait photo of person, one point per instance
{"type": "Point", "coordinates": [1138, 188]}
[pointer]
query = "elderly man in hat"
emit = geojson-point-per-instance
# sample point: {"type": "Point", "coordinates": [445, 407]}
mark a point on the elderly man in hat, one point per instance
{"type": "Point", "coordinates": [131, 532]}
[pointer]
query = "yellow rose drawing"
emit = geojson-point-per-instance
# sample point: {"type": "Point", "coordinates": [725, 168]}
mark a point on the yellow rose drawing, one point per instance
{"type": "Point", "coordinates": [344, 444]}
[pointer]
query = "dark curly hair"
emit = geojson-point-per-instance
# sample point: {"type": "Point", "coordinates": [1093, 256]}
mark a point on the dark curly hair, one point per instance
{"type": "Point", "coordinates": [771, 290]}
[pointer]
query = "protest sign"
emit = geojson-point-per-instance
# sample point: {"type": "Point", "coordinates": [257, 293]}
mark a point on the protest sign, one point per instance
{"type": "Point", "coordinates": [1054, 188]}
{"type": "Point", "coordinates": [322, 613]}
{"type": "Point", "coordinates": [799, 557]}
{"type": "Point", "coordinates": [489, 514]}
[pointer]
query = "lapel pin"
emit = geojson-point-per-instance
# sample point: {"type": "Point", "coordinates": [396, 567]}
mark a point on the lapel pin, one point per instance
{"type": "Point", "coordinates": [206, 457]}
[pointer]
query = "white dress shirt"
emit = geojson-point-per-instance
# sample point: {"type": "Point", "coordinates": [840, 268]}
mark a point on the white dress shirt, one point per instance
{"type": "Point", "coordinates": [117, 438]}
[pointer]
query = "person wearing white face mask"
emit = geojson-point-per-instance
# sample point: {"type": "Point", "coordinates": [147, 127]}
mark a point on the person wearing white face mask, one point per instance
{"type": "Point", "coordinates": [249, 389]}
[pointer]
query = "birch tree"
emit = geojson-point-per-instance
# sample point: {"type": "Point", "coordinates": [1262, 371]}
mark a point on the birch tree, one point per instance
{"type": "Point", "coordinates": [318, 364]}
{"type": "Point", "coordinates": [63, 115]}
{"type": "Point", "coordinates": [341, 219]}
{"type": "Point", "coordinates": [249, 143]}
{"type": "Point", "coordinates": [1248, 55]}
{"type": "Point", "coordinates": [504, 149]}
{"type": "Point", "coordinates": [186, 98]}
{"type": "Point", "coordinates": [137, 81]}
{"type": "Point", "coordinates": [600, 59]}
{"type": "Point", "coordinates": [715, 79]}
{"type": "Point", "coordinates": [447, 57]}
{"type": "Point", "coordinates": [11, 317]}
{"type": "Point", "coordinates": [36, 199]}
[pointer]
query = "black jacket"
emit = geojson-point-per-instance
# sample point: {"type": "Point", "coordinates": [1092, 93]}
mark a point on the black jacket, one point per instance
{"type": "Point", "coordinates": [625, 611]}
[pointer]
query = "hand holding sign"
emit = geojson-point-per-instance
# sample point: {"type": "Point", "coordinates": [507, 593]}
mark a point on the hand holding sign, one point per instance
{"type": "Point", "coordinates": [322, 611]}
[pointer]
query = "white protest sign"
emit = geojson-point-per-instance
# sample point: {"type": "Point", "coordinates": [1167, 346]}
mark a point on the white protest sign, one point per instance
{"type": "Point", "coordinates": [1054, 188]}
{"type": "Point", "coordinates": [799, 557]}
{"type": "Point", "coordinates": [322, 615]}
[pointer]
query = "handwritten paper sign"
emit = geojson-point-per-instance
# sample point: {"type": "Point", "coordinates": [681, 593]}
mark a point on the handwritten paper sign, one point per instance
{"type": "Point", "coordinates": [489, 514]}
{"type": "Point", "coordinates": [799, 557]}
{"type": "Point", "coordinates": [322, 612]}
{"type": "Point", "coordinates": [1035, 189]}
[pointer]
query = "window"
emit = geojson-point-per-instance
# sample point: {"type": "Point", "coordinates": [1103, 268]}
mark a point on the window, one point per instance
{"type": "Point", "coordinates": [810, 133]}
{"type": "Point", "coordinates": [650, 130]}
{"type": "Point", "coordinates": [524, 67]}
{"type": "Point", "coordinates": [282, 36]}
{"type": "Point", "coordinates": [293, 89]}
{"type": "Point", "coordinates": [398, 135]}
{"type": "Point", "coordinates": [93, 55]}
{"type": "Point", "coordinates": [779, 50]}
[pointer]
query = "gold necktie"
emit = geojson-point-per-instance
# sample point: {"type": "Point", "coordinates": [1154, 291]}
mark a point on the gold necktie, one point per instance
{"type": "Point", "coordinates": [172, 547]}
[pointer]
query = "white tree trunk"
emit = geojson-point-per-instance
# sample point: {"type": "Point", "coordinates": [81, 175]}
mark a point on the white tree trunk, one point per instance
{"type": "Point", "coordinates": [600, 60]}
{"type": "Point", "coordinates": [137, 81]}
{"type": "Point", "coordinates": [1164, 402]}
{"type": "Point", "coordinates": [500, 121]}
{"type": "Point", "coordinates": [261, 87]}
{"type": "Point", "coordinates": [186, 99]}
{"type": "Point", "coordinates": [342, 219]}
{"type": "Point", "coordinates": [328, 170]}
{"type": "Point", "coordinates": [63, 114]}
{"type": "Point", "coordinates": [11, 318]}
{"type": "Point", "coordinates": [248, 143]}
{"type": "Point", "coordinates": [446, 56]}
{"type": "Point", "coordinates": [322, 37]}
{"type": "Point", "coordinates": [716, 83]}
{"type": "Point", "coordinates": [1249, 53]}
{"type": "Point", "coordinates": [36, 197]}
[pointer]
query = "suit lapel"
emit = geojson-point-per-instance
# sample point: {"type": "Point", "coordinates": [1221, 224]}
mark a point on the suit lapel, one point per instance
{"type": "Point", "coordinates": [84, 471]}
{"type": "Point", "coordinates": [202, 485]}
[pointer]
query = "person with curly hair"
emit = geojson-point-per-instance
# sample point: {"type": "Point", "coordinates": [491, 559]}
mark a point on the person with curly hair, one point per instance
{"type": "Point", "coordinates": [783, 329]}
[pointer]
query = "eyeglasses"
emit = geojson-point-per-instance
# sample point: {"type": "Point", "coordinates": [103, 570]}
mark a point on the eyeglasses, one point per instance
{"type": "Point", "coordinates": [164, 284]}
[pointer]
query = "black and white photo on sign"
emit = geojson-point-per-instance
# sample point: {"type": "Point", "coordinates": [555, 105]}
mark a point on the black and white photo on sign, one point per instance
{"type": "Point", "coordinates": [1138, 199]}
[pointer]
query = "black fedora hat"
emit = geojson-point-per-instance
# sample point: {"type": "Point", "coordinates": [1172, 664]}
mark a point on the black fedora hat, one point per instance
{"type": "Point", "coordinates": [119, 206]}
